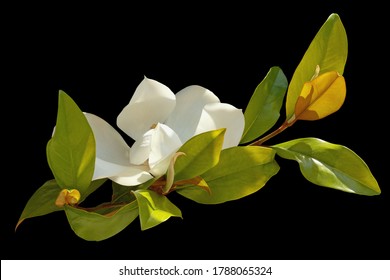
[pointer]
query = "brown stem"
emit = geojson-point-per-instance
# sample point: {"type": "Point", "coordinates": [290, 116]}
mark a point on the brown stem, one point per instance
{"type": "Point", "coordinates": [103, 206]}
{"type": "Point", "coordinates": [260, 142]}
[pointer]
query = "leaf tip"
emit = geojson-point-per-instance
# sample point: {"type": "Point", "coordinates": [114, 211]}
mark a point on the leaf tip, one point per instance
{"type": "Point", "coordinates": [18, 224]}
{"type": "Point", "coordinates": [61, 93]}
{"type": "Point", "coordinates": [333, 17]}
{"type": "Point", "coordinates": [377, 191]}
{"type": "Point", "coordinates": [221, 131]}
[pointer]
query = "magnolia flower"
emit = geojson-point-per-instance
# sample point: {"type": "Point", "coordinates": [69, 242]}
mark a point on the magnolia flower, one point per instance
{"type": "Point", "coordinates": [160, 122]}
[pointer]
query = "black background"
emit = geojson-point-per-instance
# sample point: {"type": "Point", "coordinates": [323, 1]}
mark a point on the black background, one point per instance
{"type": "Point", "coordinates": [98, 55]}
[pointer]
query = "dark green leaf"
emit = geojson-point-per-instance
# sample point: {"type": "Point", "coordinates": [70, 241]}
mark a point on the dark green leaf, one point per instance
{"type": "Point", "coordinates": [263, 109]}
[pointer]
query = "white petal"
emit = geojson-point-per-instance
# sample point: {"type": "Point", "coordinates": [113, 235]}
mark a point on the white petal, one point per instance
{"type": "Point", "coordinates": [155, 149]}
{"type": "Point", "coordinates": [112, 152]}
{"type": "Point", "coordinates": [132, 176]}
{"type": "Point", "coordinates": [164, 145]}
{"type": "Point", "coordinates": [190, 102]}
{"type": "Point", "coordinates": [151, 103]}
{"type": "Point", "coordinates": [222, 115]}
{"type": "Point", "coordinates": [141, 148]}
{"type": "Point", "coordinates": [106, 169]}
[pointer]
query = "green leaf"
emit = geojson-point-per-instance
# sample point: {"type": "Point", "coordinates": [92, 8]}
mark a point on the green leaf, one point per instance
{"type": "Point", "coordinates": [154, 208]}
{"type": "Point", "coordinates": [42, 202]}
{"type": "Point", "coordinates": [330, 165]}
{"type": "Point", "coordinates": [327, 52]}
{"type": "Point", "coordinates": [94, 226]}
{"type": "Point", "coordinates": [240, 172]}
{"type": "Point", "coordinates": [201, 153]}
{"type": "Point", "coordinates": [122, 193]}
{"type": "Point", "coordinates": [198, 182]}
{"type": "Point", "coordinates": [263, 109]}
{"type": "Point", "coordinates": [71, 150]}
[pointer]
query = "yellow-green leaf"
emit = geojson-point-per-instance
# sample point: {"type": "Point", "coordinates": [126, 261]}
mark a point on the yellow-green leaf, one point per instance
{"type": "Point", "coordinates": [154, 209]}
{"type": "Point", "coordinates": [327, 52]}
{"type": "Point", "coordinates": [240, 172]}
{"type": "Point", "coordinates": [71, 150]}
{"type": "Point", "coordinates": [93, 226]}
{"type": "Point", "coordinates": [330, 165]}
{"type": "Point", "coordinates": [42, 202]}
{"type": "Point", "coordinates": [320, 97]}
{"type": "Point", "coordinates": [201, 153]}
{"type": "Point", "coordinates": [194, 182]}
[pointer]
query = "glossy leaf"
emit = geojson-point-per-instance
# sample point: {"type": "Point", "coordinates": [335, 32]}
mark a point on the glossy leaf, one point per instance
{"type": "Point", "coordinates": [327, 52]}
{"type": "Point", "coordinates": [42, 202]}
{"type": "Point", "coordinates": [154, 208]}
{"type": "Point", "coordinates": [330, 165]}
{"type": "Point", "coordinates": [263, 109]}
{"type": "Point", "coordinates": [94, 226]}
{"type": "Point", "coordinates": [201, 153]}
{"type": "Point", "coordinates": [240, 172]}
{"type": "Point", "coordinates": [71, 150]}
{"type": "Point", "coordinates": [321, 97]}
